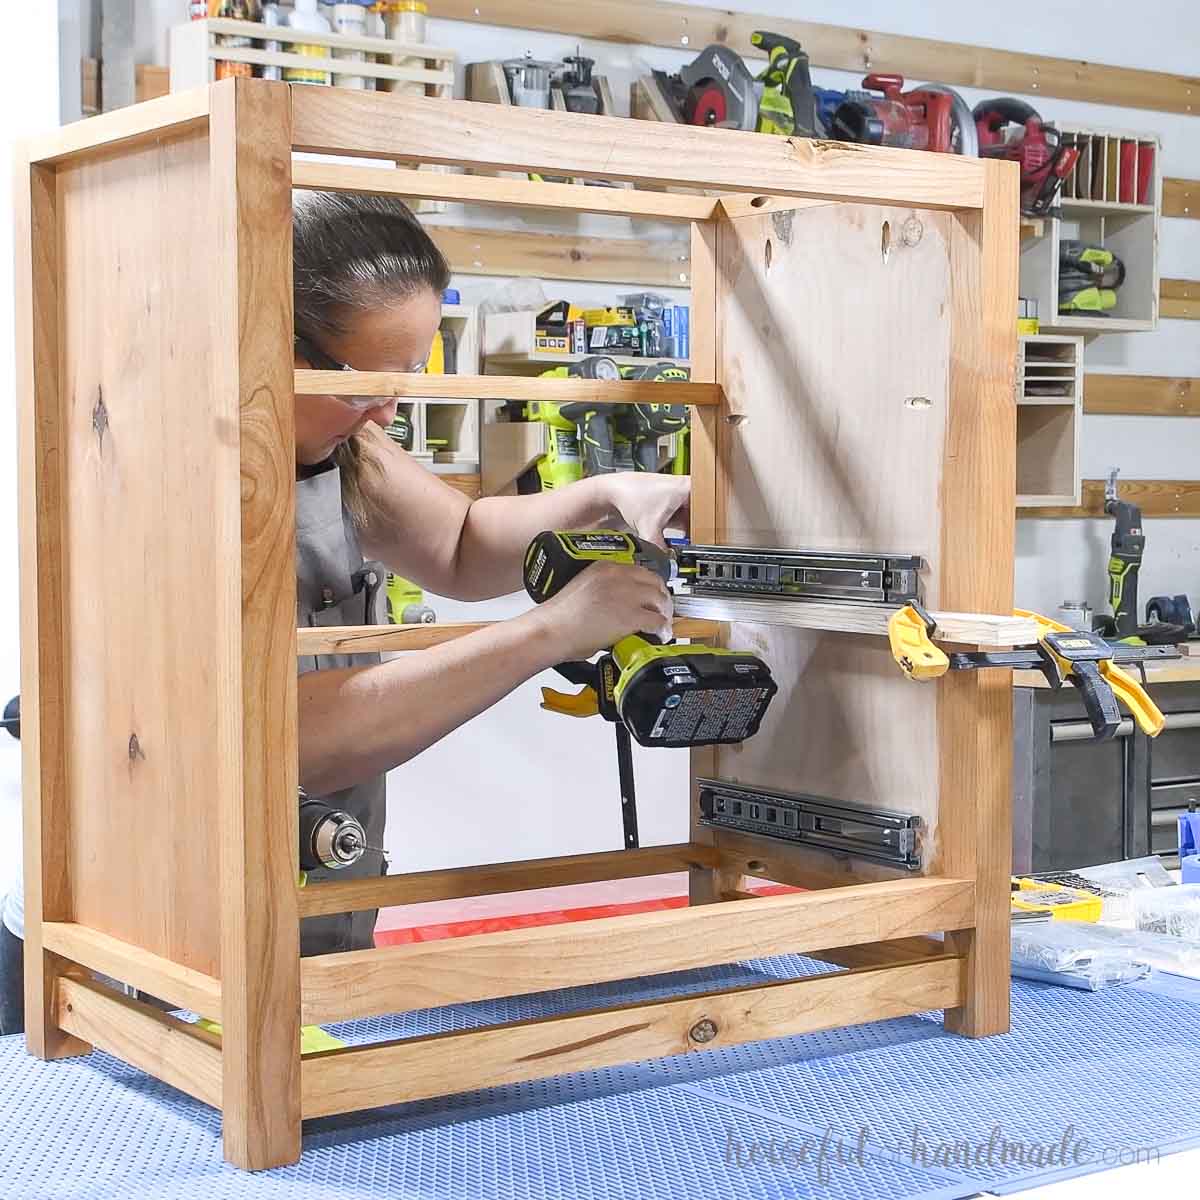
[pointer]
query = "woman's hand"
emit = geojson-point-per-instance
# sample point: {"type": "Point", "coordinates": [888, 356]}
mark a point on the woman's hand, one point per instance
{"type": "Point", "coordinates": [601, 605]}
{"type": "Point", "coordinates": [649, 503]}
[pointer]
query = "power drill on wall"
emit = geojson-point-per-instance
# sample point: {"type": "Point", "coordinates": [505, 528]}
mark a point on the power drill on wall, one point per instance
{"type": "Point", "coordinates": [662, 695]}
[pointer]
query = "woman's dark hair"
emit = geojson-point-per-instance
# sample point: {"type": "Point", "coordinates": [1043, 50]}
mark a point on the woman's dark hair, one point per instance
{"type": "Point", "coordinates": [353, 253]}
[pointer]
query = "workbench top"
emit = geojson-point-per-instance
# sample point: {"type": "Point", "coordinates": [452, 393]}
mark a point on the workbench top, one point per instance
{"type": "Point", "coordinates": [1179, 670]}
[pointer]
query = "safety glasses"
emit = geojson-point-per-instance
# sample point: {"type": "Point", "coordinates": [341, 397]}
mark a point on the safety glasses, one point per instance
{"type": "Point", "coordinates": [320, 361]}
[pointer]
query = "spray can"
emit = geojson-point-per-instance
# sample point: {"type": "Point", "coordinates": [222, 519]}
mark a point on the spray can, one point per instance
{"type": "Point", "coordinates": [350, 19]}
{"type": "Point", "coordinates": [405, 21]}
{"type": "Point", "coordinates": [235, 10]}
{"type": "Point", "coordinates": [306, 17]}
{"type": "Point", "coordinates": [272, 16]}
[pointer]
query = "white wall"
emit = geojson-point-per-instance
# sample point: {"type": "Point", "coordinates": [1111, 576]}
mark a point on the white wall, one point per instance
{"type": "Point", "coordinates": [28, 105]}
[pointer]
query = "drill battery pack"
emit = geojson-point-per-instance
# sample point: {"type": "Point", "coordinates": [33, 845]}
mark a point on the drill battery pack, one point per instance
{"type": "Point", "coordinates": [674, 696]}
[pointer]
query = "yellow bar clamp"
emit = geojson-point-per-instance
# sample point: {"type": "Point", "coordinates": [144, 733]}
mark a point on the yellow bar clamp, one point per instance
{"type": "Point", "coordinates": [1125, 687]}
{"type": "Point", "coordinates": [909, 632]}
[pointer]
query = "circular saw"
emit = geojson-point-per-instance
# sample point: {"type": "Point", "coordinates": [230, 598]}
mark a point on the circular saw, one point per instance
{"type": "Point", "coordinates": [715, 90]}
{"type": "Point", "coordinates": [931, 117]}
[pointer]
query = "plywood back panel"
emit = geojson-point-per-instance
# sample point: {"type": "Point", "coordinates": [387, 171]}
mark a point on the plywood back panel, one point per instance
{"type": "Point", "coordinates": [151, 467]}
{"type": "Point", "coordinates": [835, 348]}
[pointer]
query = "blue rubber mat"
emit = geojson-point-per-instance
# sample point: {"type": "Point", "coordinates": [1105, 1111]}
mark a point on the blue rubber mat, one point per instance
{"type": "Point", "coordinates": [897, 1109]}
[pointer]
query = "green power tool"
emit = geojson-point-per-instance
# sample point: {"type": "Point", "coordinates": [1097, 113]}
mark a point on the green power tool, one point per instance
{"type": "Point", "coordinates": [664, 695]}
{"type": "Point", "coordinates": [1125, 558]}
{"type": "Point", "coordinates": [788, 104]}
{"type": "Point", "coordinates": [593, 422]}
{"type": "Point", "coordinates": [643, 424]}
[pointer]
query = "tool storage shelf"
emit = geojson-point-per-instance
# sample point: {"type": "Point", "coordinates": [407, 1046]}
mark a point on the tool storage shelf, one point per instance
{"type": "Point", "coordinates": [1113, 198]}
{"type": "Point", "coordinates": [446, 431]}
{"type": "Point", "coordinates": [1049, 418]}
{"type": "Point", "coordinates": [157, 387]}
{"type": "Point", "coordinates": [509, 348]}
{"type": "Point", "coordinates": [352, 62]}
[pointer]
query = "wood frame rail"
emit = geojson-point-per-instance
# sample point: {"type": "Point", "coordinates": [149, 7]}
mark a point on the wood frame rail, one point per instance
{"type": "Point", "coordinates": [231, 147]}
{"type": "Point", "coordinates": [364, 983]}
{"type": "Point", "coordinates": [417, 1068]}
{"type": "Point", "coordinates": [844, 48]}
{"type": "Point", "coordinates": [352, 895]}
{"type": "Point", "coordinates": [974, 629]}
{"type": "Point", "coordinates": [346, 122]}
{"type": "Point", "coordinates": [387, 384]}
{"type": "Point", "coordinates": [370, 639]}
{"type": "Point", "coordinates": [502, 193]}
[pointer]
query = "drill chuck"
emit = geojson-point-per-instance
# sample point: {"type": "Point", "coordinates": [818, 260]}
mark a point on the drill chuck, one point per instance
{"type": "Point", "coordinates": [329, 837]}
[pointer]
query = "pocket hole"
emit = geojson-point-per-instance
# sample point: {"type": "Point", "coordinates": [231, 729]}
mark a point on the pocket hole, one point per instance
{"type": "Point", "coordinates": [754, 865]}
{"type": "Point", "coordinates": [920, 402]}
{"type": "Point", "coordinates": [767, 254]}
{"type": "Point", "coordinates": [885, 241]}
{"type": "Point", "coordinates": [758, 201]}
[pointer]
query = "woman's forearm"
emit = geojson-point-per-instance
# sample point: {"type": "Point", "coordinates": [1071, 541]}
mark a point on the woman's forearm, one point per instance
{"type": "Point", "coordinates": [359, 722]}
{"type": "Point", "coordinates": [498, 529]}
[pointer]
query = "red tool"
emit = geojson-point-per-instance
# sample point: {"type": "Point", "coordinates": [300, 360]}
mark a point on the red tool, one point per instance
{"type": "Point", "coordinates": [1045, 160]}
{"type": "Point", "coordinates": [927, 118]}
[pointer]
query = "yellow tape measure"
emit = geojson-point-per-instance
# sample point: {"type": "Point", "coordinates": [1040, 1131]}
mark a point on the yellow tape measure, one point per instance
{"type": "Point", "coordinates": [1055, 900]}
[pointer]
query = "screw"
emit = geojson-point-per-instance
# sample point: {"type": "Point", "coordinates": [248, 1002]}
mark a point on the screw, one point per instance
{"type": "Point", "coordinates": [703, 1031]}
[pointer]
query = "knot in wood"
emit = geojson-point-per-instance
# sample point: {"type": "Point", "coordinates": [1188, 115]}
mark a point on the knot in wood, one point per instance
{"type": "Point", "coordinates": [100, 417]}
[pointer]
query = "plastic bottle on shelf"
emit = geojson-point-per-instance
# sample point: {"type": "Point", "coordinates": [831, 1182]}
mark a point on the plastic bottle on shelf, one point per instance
{"type": "Point", "coordinates": [306, 17]}
{"type": "Point", "coordinates": [197, 9]}
{"type": "Point", "coordinates": [271, 15]}
{"type": "Point", "coordinates": [350, 19]}
{"type": "Point", "coordinates": [405, 23]}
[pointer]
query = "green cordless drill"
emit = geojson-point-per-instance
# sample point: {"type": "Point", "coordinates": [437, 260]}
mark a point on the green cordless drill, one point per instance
{"type": "Point", "coordinates": [662, 695]}
{"type": "Point", "coordinates": [593, 422]}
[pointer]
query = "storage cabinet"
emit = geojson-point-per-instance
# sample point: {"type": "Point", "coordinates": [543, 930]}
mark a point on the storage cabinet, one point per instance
{"type": "Point", "coordinates": [1113, 199]}
{"type": "Point", "coordinates": [445, 432]}
{"type": "Point", "coordinates": [157, 390]}
{"type": "Point", "coordinates": [1077, 802]}
{"type": "Point", "coordinates": [1049, 413]}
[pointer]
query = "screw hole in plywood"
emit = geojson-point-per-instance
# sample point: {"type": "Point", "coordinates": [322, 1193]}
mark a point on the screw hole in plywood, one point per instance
{"type": "Point", "coordinates": [885, 241]}
{"type": "Point", "coordinates": [918, 402]}
{"type": "Point", "coordinates": [767, 251]}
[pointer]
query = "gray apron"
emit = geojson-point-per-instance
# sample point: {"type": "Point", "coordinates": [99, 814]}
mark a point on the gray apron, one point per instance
{"type": "Point", "coordinates": [333, 587]}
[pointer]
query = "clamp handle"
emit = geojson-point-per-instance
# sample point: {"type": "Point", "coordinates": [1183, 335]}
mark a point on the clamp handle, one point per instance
{"type": "Point", "coordinates": [1099, 699]}
{"type": "Point", "coordinates": [1130, 692]}
{"type": "Point", "coordinates": [909, 631]}
{"type": "Point", "coordinates": [584, 703]}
